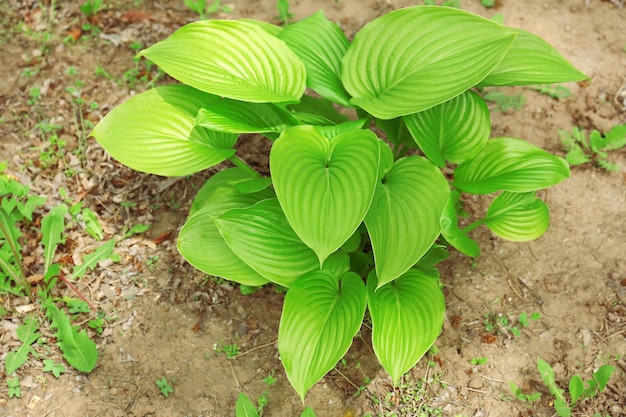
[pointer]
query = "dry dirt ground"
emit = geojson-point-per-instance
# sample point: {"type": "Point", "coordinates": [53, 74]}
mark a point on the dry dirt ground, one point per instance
{"type": "Point", "coordinates": [167, 320]}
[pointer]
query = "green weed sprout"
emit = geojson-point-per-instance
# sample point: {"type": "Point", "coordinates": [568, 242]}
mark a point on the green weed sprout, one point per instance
{"type": "Point", "coordinates": [593, 148]}
{"type": "Point", "coordinates": [351, 218]}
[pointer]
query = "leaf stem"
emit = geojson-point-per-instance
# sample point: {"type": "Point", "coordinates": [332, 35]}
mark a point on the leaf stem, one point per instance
{"type": "Point", "coordinates": [240, 163]}
{"type": "Point", "coordinates": [474, 225]}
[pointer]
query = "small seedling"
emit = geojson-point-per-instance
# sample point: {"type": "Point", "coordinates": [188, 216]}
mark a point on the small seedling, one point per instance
{"type": "Point", "coordinates": [203, 9]}
{"type": "Point", "coordinates": [164, 386]}
{"type": "Point", "coordinates": [582, 149]}
{"type": "Point", "coordinates": [269, 380]}
{"type": "Point", "coordinates": [504, 101]}
{"type": "Point", "coordinates": [449, 3]}
{"type": "Point", "coordinates": [284, 16]}
{"type": "Point", "coordinates": [577, 389]}
{"type": "Point", "coordinates": [479, 361]}
{"type": "Point", "coordinates": [488, 3]}
{"type": "Point", "coordinates": [554, 91]}
{"type": "Point", "coordinates": [91, 7]}
{"type": "Point", "coordinates": [15, 389]}
{"type": "Point", "coordinates": [55, 368]}
{"type": "Point", "coordinates": [521, 396]}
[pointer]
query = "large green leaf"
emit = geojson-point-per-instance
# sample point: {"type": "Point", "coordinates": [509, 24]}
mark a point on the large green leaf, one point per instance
{"type": "Point", "coordinates": [518, 217]}
{"type": "Point", "coordinates": [320, 44]}
{"type": "Point", "coordinates": [231, 58]}
{"type": "Point", "coordinates": [325, 187]}
{"type": "Point", "coordinates": [531, 60]}
{"type": "Point", "coordinates": [262, 237]}
{"type": "Point", "coordinates": [407, 316]}
{"type": "Point", "coordinates": [155, 132]}
{"type": "Point", "coordinates": [454, 131]}
{"type": "Point", "coordinates": [510, 165]}
{"type": "Point", "coordinates": [234, 116]}
{"type": "Point", "coordinates": [403, 221]}
{"type": "Point", "coordinates": [201, 243]}
{"type": "Point", "coordinates": [451, 231]}
{"type": "Point", "coordinates": [415, 58]}
{"type": "Point", "coordinates": [316, 111]}
{"type": "Point", "coordinates": [320, 318]}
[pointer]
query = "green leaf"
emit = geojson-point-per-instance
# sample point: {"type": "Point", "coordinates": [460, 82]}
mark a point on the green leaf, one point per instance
{"type": "Point", "coordinates": [308, 412]}
{"type": "Point", "coordinates": [245, 407]}
{"type": "Point", "coordinates": [261, 236]}
{"type": "Point", "coordinates": [155, 132]}
{"type": "Point", "coordinates": [602, 376]}
{"type": "Point", "coordinates": [407, 316]}
{"type": "Point", "coordinates": [27, 333]}
{"type": "Point", "coordinates": [325, 187]}
{"type": "Point", "coordinates": [320, 318]}
{"type": "Point", "coordinates": [519, 217]}
{"type": "Point", "coordinates": [576, 388]}
{"type": "Point", "coordinates": [531, 60]}
{"type": "Point", "coordinates": [510, 165]}
{"type": "Point", "coordinates": [238, 117]}
{"type": "Point", "coordinates": [316, 111]}
{"type": "Point", "coordinates": [561, 407]}
{"type": "Point", "coordinates": [201, 243]}
{"type": "Point", "coordinates": [320, 44]}
{"type": "Point", "coordinates": [233, 59]}
{"type": "Point", "coordinates": [451, 231]}
{"type": "Point", "coordinates": [92, 223]}
{"type": "Point", "coordinates": [52, 227]}
{"type": "Point", "coordinates": [456, 130]}
{"type": "Point", "coordinates": [429, 57]}
{"type": "Point", "coordinates": [90, 261]}
{"type": "Point", "coordinates": [403, 221]}
{"type": "Point", "coordinates": [55, 368]}
{"type": "Point", "coordinates": [78, 349]}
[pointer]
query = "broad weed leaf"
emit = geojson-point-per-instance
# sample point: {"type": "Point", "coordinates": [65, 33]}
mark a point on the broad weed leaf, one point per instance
{"type": "Point", "coordinates": [320, 317]}
{"type": "Point", "coordinates": [27, 334]}
{"type": "Point", "coordinates": [245, 407]}
{"type": "Point", "coordinates": [531, 60]}
{"type": "Point", "coordinates": [454, 131]}
{"type": "Point", "coordinates": [403, 220]}
{"type": "Point", "coordinates": [261, 236]}
{"type": "Point", "coordinates": [231, 58]}
{"type": "Point", "coordinates": [510, 165]}
{"type": "Point", "coordinates": [321, 45]}
{"type": "Point", "coordinates": [576, 388]}
{"type": "Point", "coordinates": [155, 132]}
{"type": "Point", "coordinates": [407, 316]}
{"type": "Point", "coordinates": [200, 241]}
{"type": "Point", "coordinates": [91, 260]}
{"type": "Point", "coordinates": [52, 226]}
{"type": "Point", "coordinates": [325, 187]}
{"type": "Point", "coordinates": [427, 58]}
{"type": "Point", "coordinates": [519, 217]}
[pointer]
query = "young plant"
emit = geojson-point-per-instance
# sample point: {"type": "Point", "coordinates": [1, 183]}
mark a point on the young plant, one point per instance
{"type": "Point", "coordinates": [582, 149]}
{"type": "Point", "coordinates": [348, 220]}
{"type": "Point", "coordinates": [245, 408]}
{"type": "Point", "coordinates": [521, 396]}
{"type": "Point", "coordinates": [203, 9]}
{"type": "Point", "coordinates": [164, 386]}
{"type": "Point", "coordinates": [577, 389]}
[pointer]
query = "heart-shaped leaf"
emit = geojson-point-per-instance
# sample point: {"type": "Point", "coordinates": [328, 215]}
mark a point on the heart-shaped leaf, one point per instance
{"type": "Point", "coordinates": [415, 58]}
{"type": "Point", "coordinates": [320, 44]}
{"type": "Point", "coordinates": [510, 165]}
{"type": "Point", "coordinates": [320, 318]}
{"type": "Point", "coordinates": [407, 316]}
{"type": "Point", "coordinates": [155, 132]}
{"type": "Point", "coordinates": [262, 237]}
{"type": "Point", "coordinates": [531, 60]}
{"type": "Point", "coordinates": [202, 245]}
{"type": "Point", "coordinates": [403, 221]}
{"type": "Point", "coordinates": [238, 117]}
{"type": "Point", "coordinates": [518, 217]}
{"type": "Point", "coordinates": [231, 58]}
{"type": "Point", "coordinates": [454, 131]}
{"type": "Point", "coordinates": [325, 187]}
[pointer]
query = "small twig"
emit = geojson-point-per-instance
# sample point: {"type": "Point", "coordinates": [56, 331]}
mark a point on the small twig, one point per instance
{"type": "Point", "coordinates": [69, 284]}
{"type": "Point", "coordinates": [232, 369]}
{"type": "Point", "coordinates": [515, 291]}
{"type": "Point", "coordinates": [257, 348]}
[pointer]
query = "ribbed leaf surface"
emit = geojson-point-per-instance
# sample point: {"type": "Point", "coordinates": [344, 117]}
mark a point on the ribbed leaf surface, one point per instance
{"type": "Point", "coordinates": [155, 132]}
{"type": "Point", "coordinates": [451, 231]}
{"type": "Point", "coordinates": [240, 117]}
{"type": "Point", "coordinates": [518, 217]}
{"type": "Point", "coordinates": [510, 165]}
{"type": "Point", "coordinates": [531, 60]}
{"type": "Point", "coordinates": [202, 245]}
{"type": "Point", "coordinates": [415, 58]}
{"type": "Point", "coordinates": [403, 221]}
{"type": "Point", "coordinates": [231, 58]}
{"type": "Point", "coordinates": [325, 187]}
{"type": "Point", "coordinates": [319, 320]}
{"type": "Point", "coordinates": [455, 130]}
{"type": "Point", "coordinates": [321, 45]}
{"type": "Point", "coordinates": [263, 238]}
{"type": "Point", "coordinates": [407, 316]}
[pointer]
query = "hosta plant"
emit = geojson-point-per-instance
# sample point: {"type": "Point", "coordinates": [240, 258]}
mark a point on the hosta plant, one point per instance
{"type": "Point", "coordinates": [360, 205]}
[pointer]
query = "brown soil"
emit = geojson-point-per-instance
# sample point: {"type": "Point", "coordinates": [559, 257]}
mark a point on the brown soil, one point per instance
{"type": "Point", "coordinates": [171, 321]}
